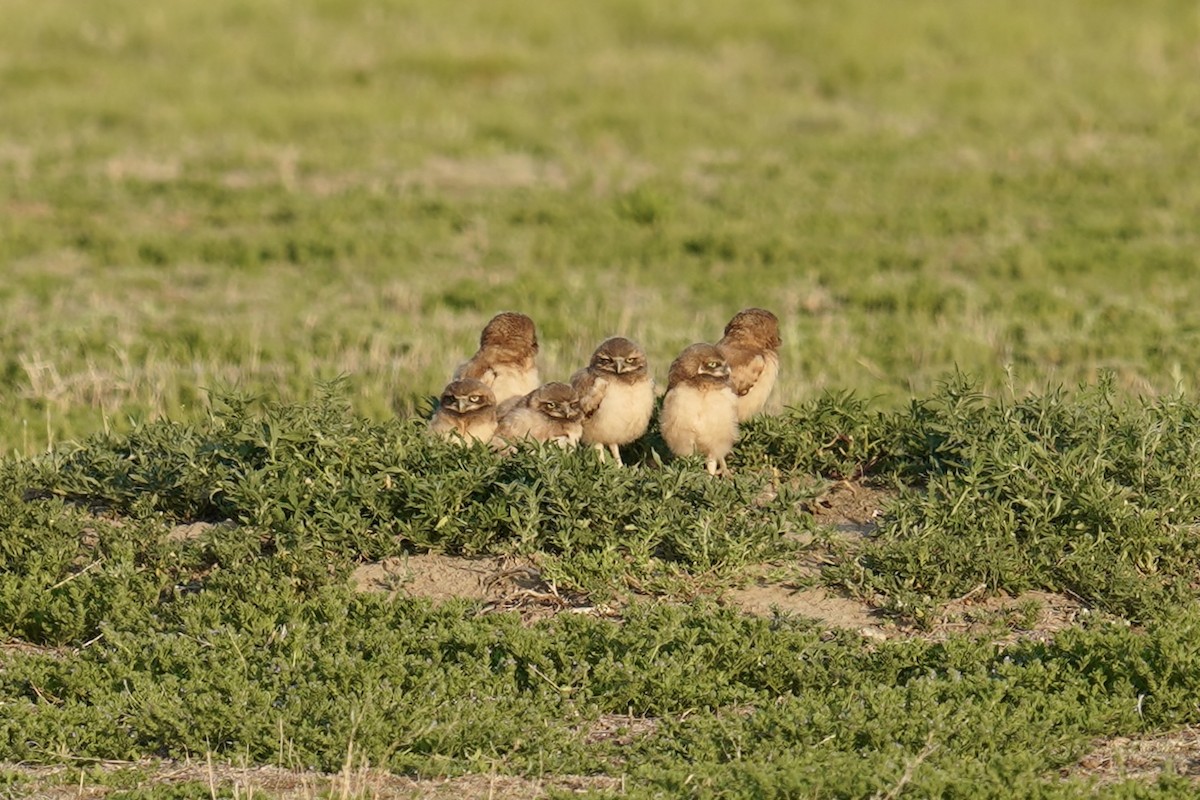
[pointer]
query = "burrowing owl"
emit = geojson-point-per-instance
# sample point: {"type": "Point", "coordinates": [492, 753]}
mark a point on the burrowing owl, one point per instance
{"type": "Point", "coordinates": [616, 394]}
{"type": "Point", "coordinates": [550, 413]}
{"type": "Point", "coordinates": [466, 412]}
{"type": "Point", "coordinates": [751, 346]}
{"type": "Point", "coordinates": [505, 359]}
{"type": "Point", "coordinates": [699, 411]}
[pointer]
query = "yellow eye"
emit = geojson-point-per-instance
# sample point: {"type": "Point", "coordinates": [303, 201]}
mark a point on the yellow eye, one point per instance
{"type": "Point", "coordinates": [713, 364]}
{"type": "Point", "coordinates": [551, 405]}
{"type": "Point", "coordinates": [474, 398]}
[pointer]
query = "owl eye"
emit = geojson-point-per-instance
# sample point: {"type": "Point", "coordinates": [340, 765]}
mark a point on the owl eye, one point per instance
{"type": "Point", "coordinates": [474, 398]}
{"type": "Point", "coordinates": [713, 364]}
{"type": "Point", "coordinates": [551, 404]}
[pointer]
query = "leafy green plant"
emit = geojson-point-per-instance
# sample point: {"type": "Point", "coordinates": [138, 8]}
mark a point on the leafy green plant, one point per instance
{"type": "Point", "coordinates": [1086, 495]}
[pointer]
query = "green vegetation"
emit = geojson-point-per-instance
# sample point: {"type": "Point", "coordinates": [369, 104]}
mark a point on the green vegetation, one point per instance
{"type": "Point", "coordinates": [210, 195]}
{"type": "Point", "coordinates": [243, 244]}
{"type": "Point", "coordinates": [249, 642]}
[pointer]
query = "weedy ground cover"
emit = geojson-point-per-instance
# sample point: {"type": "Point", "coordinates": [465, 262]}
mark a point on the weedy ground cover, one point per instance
{"type": "Point", "coordinates": [249, 642]}
{"type": "Point", "coordinates": [210, 210]}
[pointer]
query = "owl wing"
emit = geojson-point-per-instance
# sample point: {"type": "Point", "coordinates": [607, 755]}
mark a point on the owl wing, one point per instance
{"type": "Point", "coordinates": [475, 368]}
{"type": "Point", "coordinates": [441, 424]}
{"type": "Point", "coordinates": [745, 368]}
{"type": "Point", "coordinates": [591, 390]}
{"type": "Point", "coordinates": [506, 408]}
{"type": "Point", "coordinates": [512, 427]}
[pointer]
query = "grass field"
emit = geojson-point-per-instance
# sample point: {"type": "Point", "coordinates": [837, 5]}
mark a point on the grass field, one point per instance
{"type": "Point", "coordinates": [243, 244]}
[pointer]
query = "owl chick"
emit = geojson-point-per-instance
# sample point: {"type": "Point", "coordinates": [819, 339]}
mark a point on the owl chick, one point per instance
{"type": "Point", "coordinates": [550, 413]}
{"type": "Point", "coordinates": [751, 346]}
{"type": "Point", "coordinates": [616, 394]}
{"type": "Point", "coordinates": [466, 412]}
{"type": "Point", "coordinates": [505, 359]}
{"type": "Point", "coordinates": [699, 411]}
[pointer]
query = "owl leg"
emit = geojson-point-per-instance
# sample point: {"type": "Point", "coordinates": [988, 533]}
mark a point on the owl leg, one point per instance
{"type": "Point", "coordinates": [717, 466]}
{"type": "Point", "coordinates": [599, 451]}
{"type": "Point", "coordinates": [615, 449]}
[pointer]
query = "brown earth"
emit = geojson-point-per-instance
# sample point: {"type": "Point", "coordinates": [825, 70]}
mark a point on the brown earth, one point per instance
{"type": "Point", "coordinates": [67, 783]}
{"type": "Point", "coordinates": [1142, 759]}
{"type": "Point", "coordinates": [849, 512]}
{"type": "Point", "coordinates": [500, 583]}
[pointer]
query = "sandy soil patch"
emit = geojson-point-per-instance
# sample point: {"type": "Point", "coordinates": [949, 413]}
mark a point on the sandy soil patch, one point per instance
{"type": "Point", "coordinates": [852, 508]}
{"type": "Point", "coordinates": [1143, 759]}
{"type": "Point", "coordinates": [500, 583]}
{"type": "Point", "coordinates": [62, 783]}
{"type": "Point", "coordinates": [852, 511]}
{"type": "Point", "coordinates": [1036, 616]}
{"type": "Point", "coordinates": [815, 603]}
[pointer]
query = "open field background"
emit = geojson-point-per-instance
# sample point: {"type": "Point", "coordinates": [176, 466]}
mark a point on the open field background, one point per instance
{"type": "Point", "coordinates": [218, 569]}
{"type": "Point", "coordinates": [210, 194]}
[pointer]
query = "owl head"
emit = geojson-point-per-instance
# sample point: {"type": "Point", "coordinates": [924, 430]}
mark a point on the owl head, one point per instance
{"type": "Point", "coordinates": [701, 364]}
{"type": "Point", "coordinates": [510, 332]}
{"type": "Point", "coordinates": [754, 327]}
{"type": "Point", "coordinates": [619, 356]}
{"type": "Point", "coordinates": [466, 396]}
{"type": "Point", "coordinates": [556, 400]}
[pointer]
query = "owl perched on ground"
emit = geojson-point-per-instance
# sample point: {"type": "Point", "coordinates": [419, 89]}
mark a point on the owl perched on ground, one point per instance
{"type": "Point", "coordinates": [616, 394]}
{"type": "Point", "coordinates": [699, 412]}
{"type": "Point", "coordinates": [550, 413]}
{"type": "Point", "coordinates": [505, 359]}
{"type": "Point", "coordinates": [466, 412]}
{"type": "Point", "coordinates": [751, 346]}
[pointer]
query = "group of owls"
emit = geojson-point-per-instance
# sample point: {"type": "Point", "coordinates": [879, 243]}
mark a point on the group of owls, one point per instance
{"type": "Point", "coordinates": [497, 396]}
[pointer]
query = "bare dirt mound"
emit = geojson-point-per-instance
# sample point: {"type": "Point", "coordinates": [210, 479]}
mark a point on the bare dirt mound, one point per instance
{"type": "Point", "coordinates": [1143, 759]}
{"type": "Point", "coordinates": [63, 783]}
{"type": "Point", "coordinates": [500, 583]}
{"type": "Point", "coordinates": [1036, 616]}
{"type": "Point", "coordinates": [851, 512]}
{"type": "Point", "coordinates": [848, 514]}
{"type": "Point", "coordinates": [815, 603]}
{"type": "Point", "coordinates": [852, 508]}
{"type": "Point", "coordinates": [1032, 616]}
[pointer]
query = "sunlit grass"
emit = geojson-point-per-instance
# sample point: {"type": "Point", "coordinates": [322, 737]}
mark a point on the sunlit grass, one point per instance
{"type": "Point", "coordinates": [197, 196]}
{"type": "Point", "coordinates": [205, 202]}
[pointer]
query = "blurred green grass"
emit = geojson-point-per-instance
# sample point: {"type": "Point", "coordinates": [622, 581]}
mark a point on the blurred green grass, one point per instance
{"type": "Point", "coordinates": [203, 195]}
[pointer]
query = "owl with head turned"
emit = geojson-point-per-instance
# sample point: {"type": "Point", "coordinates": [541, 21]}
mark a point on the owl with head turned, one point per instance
{"type": "Point", "coordinates": [616, 395]}
{"type": "Point", "coordinates": [466, 412]}
{"type": "Point", "coordinates": [550, 413]}
{"type": "Point", "coordinates": [505, 359]}
{"type": "Point", "coordinates": [751, 347]}
{"type": "Point", "coordinates": [699, 411]}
